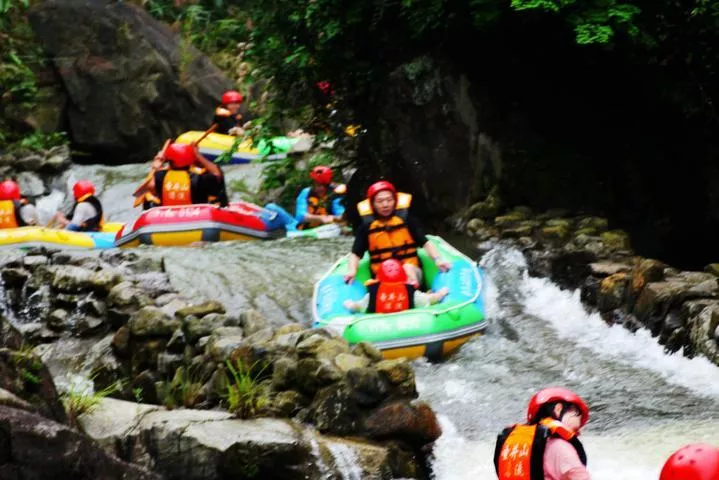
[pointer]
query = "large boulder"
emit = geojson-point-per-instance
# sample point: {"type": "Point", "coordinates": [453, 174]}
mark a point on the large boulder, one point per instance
{"type": "Point", "coordinates": [130, 80]}
{"type": "Point", "coordinates": [35, 447]}
{"type": "Point", "coordinates": [194, 444]}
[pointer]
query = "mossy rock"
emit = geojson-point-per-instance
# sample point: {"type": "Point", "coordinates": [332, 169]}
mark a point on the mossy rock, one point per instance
{"type": "Point", "coordinates": [555, 234]}
{"type": "Point", "coordinates": [508, 220]}
{"type": "Point", "coordinates": [599, 224]}
{"type": "Point", "coordinates": [558, 222]}
{"type": "Point", "coordinates": [616, 240]}
{"type": "Point", "coordinates": [712, 268]}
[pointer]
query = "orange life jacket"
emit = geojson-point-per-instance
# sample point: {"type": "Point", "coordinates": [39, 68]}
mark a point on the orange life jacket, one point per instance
{"type": "Point", "coordinates": [10, 214]}
{"type": "Point", "coordinates": [180, 187]}
{"type": "Point", "coordinates": [389, 237]}
{"type": "Point", "coordinates": [519, 454]}
{"type": "Point", "coordinates": [389, 297]}
{"type": "Point", "coordinates": [316, 205]}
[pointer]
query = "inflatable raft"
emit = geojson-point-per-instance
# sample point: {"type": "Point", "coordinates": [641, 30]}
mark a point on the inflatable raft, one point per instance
{"type": "Point", "coordinates": [33, 237]}
{"type": "Point", "coordinates": [434, 332]}
{"type": "Point", "coordinates": [215, 144]}
{"type": "Point", "coordinates": [183, 225]}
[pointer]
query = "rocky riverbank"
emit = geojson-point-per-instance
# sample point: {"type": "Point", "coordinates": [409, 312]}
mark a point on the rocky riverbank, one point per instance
{"type": "Point", "coordinates": [35, 172]}
{"type": "Point", "coordinates": [200, 392]}
{"type": "Point", "coordinates": [680, 308]}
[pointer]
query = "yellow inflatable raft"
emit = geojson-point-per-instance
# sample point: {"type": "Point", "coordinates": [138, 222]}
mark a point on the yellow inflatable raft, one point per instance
{"type": "Point", "coordinates": [29, 237]}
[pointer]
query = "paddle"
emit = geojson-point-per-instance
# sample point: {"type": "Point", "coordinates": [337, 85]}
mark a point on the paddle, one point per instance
{"type": "Point", "coordinates": [138, 193]}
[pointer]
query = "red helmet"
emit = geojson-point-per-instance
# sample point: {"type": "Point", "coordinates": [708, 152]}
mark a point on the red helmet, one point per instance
{"type": "Point", "coordinates": [9, 190]}
{"type": "Point", "coordinates": [180, 155]}
{"type": "Point", "coordinates": [232, 97]}
{"type": "Point", "coordinates": [82, 189]}
{"type": "Point", "coordinates": [692, 462]}
{"type": "Point", "coordinates": [391, 271]}
{"type": "Point", "coordinates": [556, 394]}
{"type": "Point", "coordinates": [321, 175]}
{"type": "Point", "coordinates": [380, 186]}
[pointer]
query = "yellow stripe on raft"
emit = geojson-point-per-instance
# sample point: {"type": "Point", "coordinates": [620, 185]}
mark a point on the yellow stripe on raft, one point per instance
{"type": "Point", "coordinates": [417, 351]}
{"type": "Point", "coordinates": [112, 227]}
{"type": "Point", "coordinates": [217, 141]}
{"type": "Point", "coordinates": [174, 239]}
{"type": "Point", "coordinates": [17, 236]}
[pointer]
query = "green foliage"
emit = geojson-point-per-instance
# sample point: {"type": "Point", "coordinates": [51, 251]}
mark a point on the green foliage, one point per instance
{"type": "Point", "coordinates": [41, 141]}
{"type": "Point", "coordinates": [137, 393]}
{"type": "Point", "coordinates": [79, 399]}
{"type": "Point", "coordinates": [292, 175]}
{"type": "Point", "coordinates": [185, 390]}
{"type": "Point", "coordinates": [27, 364]}
{"type": "Point", "coordinates": [245, 395]}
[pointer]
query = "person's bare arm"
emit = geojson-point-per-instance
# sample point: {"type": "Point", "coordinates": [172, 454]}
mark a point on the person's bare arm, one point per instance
{"type": "Point", "coordinates": [206, 164]}
{"type": "Point", "coordinates": [442, 264]}
{"type": "Point", "coordinates": [352, 265]}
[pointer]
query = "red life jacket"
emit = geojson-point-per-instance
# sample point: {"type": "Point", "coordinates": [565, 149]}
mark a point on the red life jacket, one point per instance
{"type": "Point", "coordinates": [385, 297]}
{"type": "Point", "coordinates": [519, 454]}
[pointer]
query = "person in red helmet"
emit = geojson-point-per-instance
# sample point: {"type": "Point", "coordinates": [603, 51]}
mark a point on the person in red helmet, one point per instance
{"type": "Point", "coordinates": [227, 116]}
{"type": "Point", "coordinates": [190, 178]}
{"type": "Point", "coordinates": [15, 210]}
{"type": "Point", "coordinates": [321, 203]}
{"type": "Point", "coordinates": [86, 213]}
{"type": "Point", "coordinates": [388, 231]}
{"type": "Point", "coordinates": [390, 292]}
{"type": "Point", "coordinates": [547, 447]}
{"type": "Point", "coordinates": [698, 461]}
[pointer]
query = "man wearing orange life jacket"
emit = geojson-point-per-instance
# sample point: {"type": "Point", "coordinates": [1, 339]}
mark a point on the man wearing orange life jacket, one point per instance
{"type": "Point", "coordinates": [191, 178]}
{"type": "Point", "coordinates": [692, 462]}
{"type": "Point", "coordinates": [546, 447]}
{"type": "Point", "coordinates": [321, 203]}
{"type": "Point", "coordinates": [388, 231]}
{"type": "Point", "coordinates": [86, 213]}
{"type": "Point", "coordinates": [227, 116]}
{"type": "Point", "coordinates": [15, 210]}
{"type": "Point", "coordinates": [391, 293]}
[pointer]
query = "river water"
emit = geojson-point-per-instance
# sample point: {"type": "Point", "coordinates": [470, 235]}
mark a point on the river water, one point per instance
{"type": "Point", "coordinates": [645, 404]}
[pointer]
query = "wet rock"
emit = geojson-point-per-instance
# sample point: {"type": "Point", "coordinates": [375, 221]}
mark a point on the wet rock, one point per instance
{"type": "Point", "coordinates": [68, 278]}
{"type": "Point", "coordinates": [613, 292]}
{"type": "Point", "coordinates": [397, 371]}
{"type": "Point", "coordinates": [220, 348]}
{"type": "Point", "coordinates": [367, 350]}
{"type": "Point", "coordinates": [521, 229]}
{"type": "Point", "coordinates": [657, 298]}
{"type": "Point", "coordinates": [167, 363]}
{"type": "Point", "coordinates": [368, 387]}
{"type": "Point", "coordinates": [177, 342]}
{"type": "Point", "coordinates": [287, 403]}
{"type": "Point", "coordinates": [284, 373]}
{"type": "Point", "coordinates": [606, 268]}
{"type": "Point", "coordinates": [92, 306]}
{"type": "Point", "coordinates": [151, 321]}
{"type": "Point", "coordinates": [702, 330]}
{"type": "Point", "coordinates": [474, 225]}
{"type": "Point", "coordinates": [171, 307]}
{"type": "Point", "coordinates": [30, 184]}
{"type": "Point", "coordinates": [290, 328]}
{"type": "Point", "coordinates": [200, 310]}
{"type": "Point", "coordinates": [35, 447]}
{"type": "Point", "coordinates": [415, 423]}
{"type": "Point", "coordinates": [712, 268]}
{"type": "Point", "coordinates": [56, 159]}
{"type": "Point", "coordinates": [121, 341]}
{"type": "Point", "coordinates": [645, 272]}
{"type": "Point", "coordinates": [30, 163]}
{"type": "Point", "coordinates": [589, 293]}
{"type": "Point", "coordinates": [261, 336]}
{"type": "Point", "coordinates": [58, 319]}
{"type": "Point", "coordinates": [9, 399]}
{"type": "Point", "coordinates": [252, 322]}
{"type": "Point", "coordinates": [484, 210]}
{"type": "Point", "coordinates": [146, 383]}
{"type": "Point", "coordinates": [14, 277]}
{"type": "Point", "coordinates": [87, 326]}
{"type": "Point", "coordinates": [555, 232]}
{"type": "Point", "coordinates": [112, 420]}
{"type": "Point", "coordinates": [597, 224]}
{"type": "Point", "coordinates": [616, 240]}
{"type": "Point", "coordinates": [310, 345]}
{"type": "Point", "coordinates": [569, 269]}
{"type": "Point", "coordinates": [346, 362]}
{"type": "Point", "coordinates": [199, 327]}
{"type": "Point", "coordinates": [125, 295]}
{"type": "Point", "coordinates": [334, 412]}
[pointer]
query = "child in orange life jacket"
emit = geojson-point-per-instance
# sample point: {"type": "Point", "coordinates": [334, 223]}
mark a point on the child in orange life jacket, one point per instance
{"type": "Point", "coordinates": [321, 203]}
{"type": "Point", "coordinates": [191, 178]}
{"type": "Point", "coordinates": [546, 447]}
{"type": "Point", "coordinates": [227, 116]}
{"type": "Point", "coordinates": [15, 210]}
{"type": "Point", "coordinates": [692, 462]}
{"type": "Point", "coordinates": [391, 293]}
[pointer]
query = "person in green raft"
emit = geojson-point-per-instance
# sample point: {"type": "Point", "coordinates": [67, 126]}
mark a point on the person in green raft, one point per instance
{"type": "Point", "coordinates": [390, 292]}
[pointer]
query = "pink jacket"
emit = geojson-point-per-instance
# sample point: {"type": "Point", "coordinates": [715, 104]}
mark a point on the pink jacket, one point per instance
{"type": "Point", "coordinates": [561, 461]}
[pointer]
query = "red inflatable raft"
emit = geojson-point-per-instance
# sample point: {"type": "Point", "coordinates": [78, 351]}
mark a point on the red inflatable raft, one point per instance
{"type": "Point", "coordinates": [183, 225]}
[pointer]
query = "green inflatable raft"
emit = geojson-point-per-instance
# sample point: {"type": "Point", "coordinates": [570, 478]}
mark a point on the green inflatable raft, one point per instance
{"type": "Point", "coordinates": [434, 332]}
